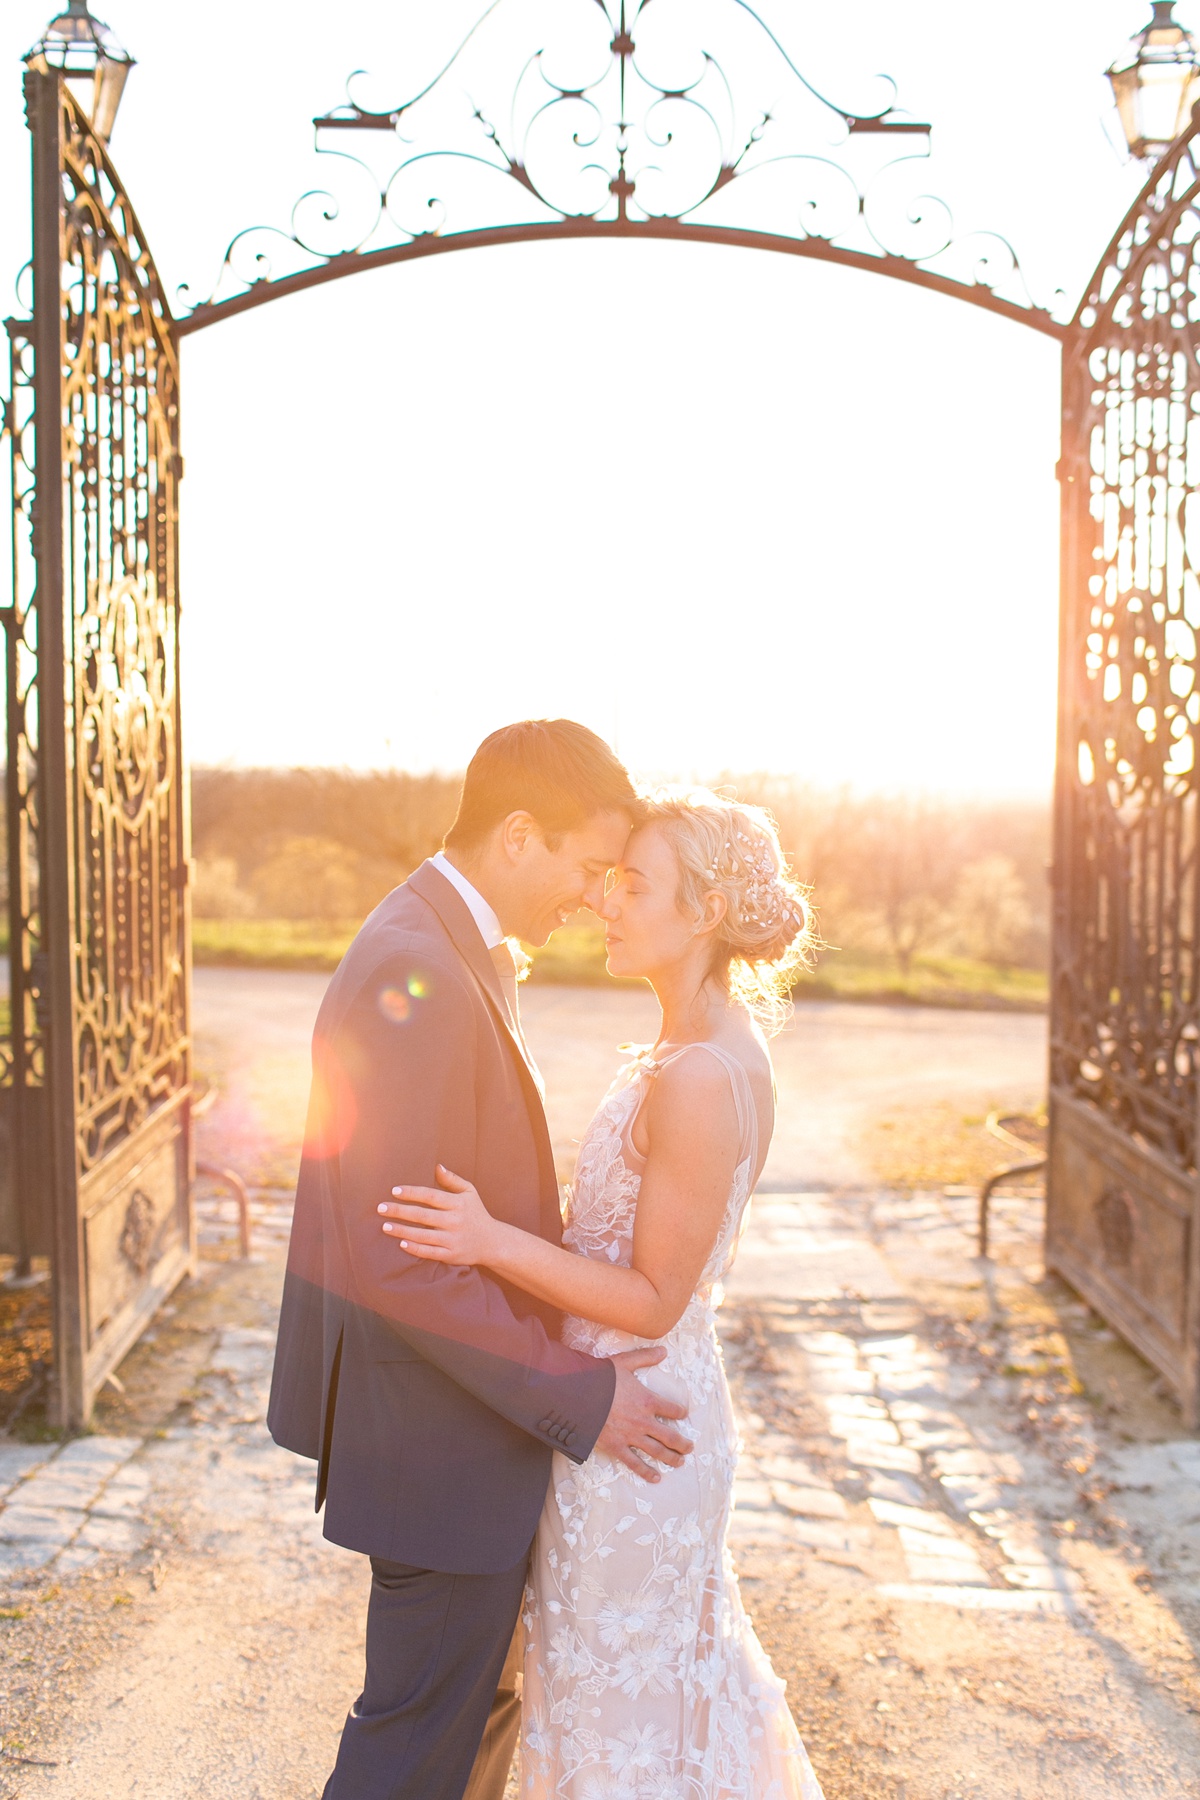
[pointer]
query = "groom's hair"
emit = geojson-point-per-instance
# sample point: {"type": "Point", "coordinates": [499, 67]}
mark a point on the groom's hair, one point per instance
{"type": "Point", "coordinates": [557, 771]}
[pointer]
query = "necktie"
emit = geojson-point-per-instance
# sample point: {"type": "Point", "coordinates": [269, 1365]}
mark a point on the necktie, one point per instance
{"type": "Point", "coordinates": [506, 969]}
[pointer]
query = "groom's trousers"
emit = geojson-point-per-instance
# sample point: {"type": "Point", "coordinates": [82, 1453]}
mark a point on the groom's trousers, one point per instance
{"type": "Point", "coordinates": [434, 1702]}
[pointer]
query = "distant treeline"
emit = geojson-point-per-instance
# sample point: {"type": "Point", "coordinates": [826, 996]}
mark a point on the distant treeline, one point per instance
{"type": "Point", "coordinates": [903, 875]}
{"type": "Point", "coordinates": [310, 843]}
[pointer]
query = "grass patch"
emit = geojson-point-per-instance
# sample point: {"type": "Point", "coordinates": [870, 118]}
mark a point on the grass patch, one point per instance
{"type": "Point", "coordinates": [314, 944]}
{"type": "Point", "coordinates": [931, 981]}
{"type": "Point", "coordinates": [575, 954]}
{"type": "Point", "coordinates": [934, 1146]}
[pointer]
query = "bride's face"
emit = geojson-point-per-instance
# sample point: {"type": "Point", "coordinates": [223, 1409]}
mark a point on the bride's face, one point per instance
{"type": "Point", "coordinates": [646, 930]}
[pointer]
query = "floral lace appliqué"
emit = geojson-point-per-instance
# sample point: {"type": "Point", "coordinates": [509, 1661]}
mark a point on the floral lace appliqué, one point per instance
{"type": "Point", "coordinates": [644, 1679]}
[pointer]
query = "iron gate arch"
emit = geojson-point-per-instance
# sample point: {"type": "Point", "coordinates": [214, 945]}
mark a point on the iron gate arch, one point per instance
{"type": "Point", "coordinates": [98, 1061]}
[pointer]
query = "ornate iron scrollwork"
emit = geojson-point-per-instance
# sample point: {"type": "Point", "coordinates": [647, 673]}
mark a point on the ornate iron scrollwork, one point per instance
{"type": "Point", "coordinates": [21, 1050]}
{"type": "Point", "coordinates": [1114, 1222]}
{"type": "Point", "coordinates": [625, 122]}
{"type": "Point", "coordinates": [97, 813]}
{"type": "Point", "coordinates": [120, 433]}
{"type": "Point", "coordinates": [137, 1232]}
{"type": "Point", "coordinates": [23, 1030]}
{"type": "Point", "coordinates": [1127, 1007]}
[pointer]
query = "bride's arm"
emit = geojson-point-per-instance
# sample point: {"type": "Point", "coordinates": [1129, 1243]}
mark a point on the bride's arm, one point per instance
{"type": "Point", "coordinates": [692, 1128]}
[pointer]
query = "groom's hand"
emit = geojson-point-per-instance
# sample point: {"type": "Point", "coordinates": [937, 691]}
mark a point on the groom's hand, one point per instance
{"type": "Point", "coordinates": [637, 1426]}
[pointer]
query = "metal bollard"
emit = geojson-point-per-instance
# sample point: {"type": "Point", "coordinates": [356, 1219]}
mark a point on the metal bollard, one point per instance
{"type": "Point", "coordinates": [989, 1187]}
{"type": "Point", "coordinates": [238, 1189]}
{"type": "Point", "coordinates": [997, 1126]}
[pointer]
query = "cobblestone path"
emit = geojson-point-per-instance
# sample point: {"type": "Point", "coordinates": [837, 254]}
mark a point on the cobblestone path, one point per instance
{"type": "Point", "coordinates": [968, 1527]}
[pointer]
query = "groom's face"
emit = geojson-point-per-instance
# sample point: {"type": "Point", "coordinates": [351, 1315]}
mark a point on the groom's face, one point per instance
{"type": "Point", "coordinates": [556, 882]}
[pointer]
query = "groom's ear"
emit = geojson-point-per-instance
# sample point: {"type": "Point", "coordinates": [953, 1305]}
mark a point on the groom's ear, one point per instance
{"type": "Point", "coordinates": [517, 832]}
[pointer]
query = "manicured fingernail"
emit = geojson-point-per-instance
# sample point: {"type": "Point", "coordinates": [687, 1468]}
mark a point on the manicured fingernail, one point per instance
{"type": "Point", "coordinates": [403, 1244]}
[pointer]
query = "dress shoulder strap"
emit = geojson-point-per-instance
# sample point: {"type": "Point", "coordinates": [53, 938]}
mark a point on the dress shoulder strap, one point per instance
{"type": "Point", "coordinates": [739, 1081]}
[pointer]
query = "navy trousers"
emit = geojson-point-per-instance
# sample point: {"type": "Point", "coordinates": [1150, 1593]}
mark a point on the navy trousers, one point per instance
{"type": "Point", "coordinates": [436, 1648]}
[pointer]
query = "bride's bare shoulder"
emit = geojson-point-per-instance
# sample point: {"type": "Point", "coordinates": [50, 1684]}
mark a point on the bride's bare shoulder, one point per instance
{"type": "Point", "coordinates": [691, 1086]}
{"type": "Point", "coordinates": [742, 1039]}
{"type": "Point", "coordinates": [700, 1074]}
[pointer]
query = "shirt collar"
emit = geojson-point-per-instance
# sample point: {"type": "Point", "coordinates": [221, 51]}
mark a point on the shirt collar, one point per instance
{"type": "Point", "coordinates": [480, 911]}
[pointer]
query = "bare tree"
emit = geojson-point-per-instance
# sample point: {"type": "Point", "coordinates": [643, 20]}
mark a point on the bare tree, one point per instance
{"type": "Point", "coordinates": [992, 912]}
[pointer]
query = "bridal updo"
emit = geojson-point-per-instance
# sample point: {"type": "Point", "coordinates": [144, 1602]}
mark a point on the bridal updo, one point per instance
{"type": "Point", "coordinates": [732, 848]}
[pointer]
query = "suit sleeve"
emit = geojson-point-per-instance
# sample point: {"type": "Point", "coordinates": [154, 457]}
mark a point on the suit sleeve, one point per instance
{"type": "Point", "coordinates": [400, 1077]}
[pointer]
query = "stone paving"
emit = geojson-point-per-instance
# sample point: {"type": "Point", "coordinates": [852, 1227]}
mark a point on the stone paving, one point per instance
{"type": "Point", "coordinates": [929, 1479]}
{"type": "Point", "coordinates": [885, 1477]}
{"type": "Point", "coordinates": [890, 1467]}
{"type": "Point", "coordinates": [977, 1514]}
{"type": "Point", "coordinates": [960, 1499]}
{"type": "Point", "coordinates": [66, 1507]}
{"type": "Point", "coordinates": [241, 1587]}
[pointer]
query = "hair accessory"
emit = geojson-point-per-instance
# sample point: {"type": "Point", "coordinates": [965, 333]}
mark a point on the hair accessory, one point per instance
{"type": "Point", "coordinates": [764, 901]}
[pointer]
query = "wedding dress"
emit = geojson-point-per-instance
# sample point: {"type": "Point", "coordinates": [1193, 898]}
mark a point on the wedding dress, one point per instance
{"type": "Point", "coordinates": [643, 1678]}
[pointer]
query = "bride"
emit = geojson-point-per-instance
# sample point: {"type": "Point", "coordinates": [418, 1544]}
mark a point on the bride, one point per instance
{"type": "Point", "coordinates": [643, 1678]}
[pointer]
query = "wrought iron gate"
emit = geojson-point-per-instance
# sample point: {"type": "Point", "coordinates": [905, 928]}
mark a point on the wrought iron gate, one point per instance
{"type": "Point", "coordinates": [98, 1056]}
{"type": "Point", "coordinates": [94, 1072]}
{"type": "Point", "coordinates": [1123, 1214]}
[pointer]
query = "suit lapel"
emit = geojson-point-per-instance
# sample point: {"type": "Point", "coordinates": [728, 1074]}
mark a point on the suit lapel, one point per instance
{"type": "Point", "coordinates": [455, 915]}
{"type": "Point", "coordinates": [467, 939]}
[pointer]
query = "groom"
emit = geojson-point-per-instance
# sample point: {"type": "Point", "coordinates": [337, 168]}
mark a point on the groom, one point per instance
{"type": "Point", "coordinates": [432, 1396]}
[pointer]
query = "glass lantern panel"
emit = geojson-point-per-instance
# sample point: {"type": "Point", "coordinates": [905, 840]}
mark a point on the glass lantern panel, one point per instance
{"type": "Point", "coordinates": [1162, 93]}
{"type": "Point", "coordinates": [1125, 93]}
{"type": "Point", "coordinates": [109, 84]}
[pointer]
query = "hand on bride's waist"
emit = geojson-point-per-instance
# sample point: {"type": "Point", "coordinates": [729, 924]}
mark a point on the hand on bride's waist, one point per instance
{"type": "Point", "coordinates": [606, 1340]}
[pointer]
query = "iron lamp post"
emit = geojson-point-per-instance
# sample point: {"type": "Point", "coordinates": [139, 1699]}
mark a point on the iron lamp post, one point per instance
{"type": "Point", "coordinates": [88, 56]}
{"type": "Point", "coordinates": [1156, 83]}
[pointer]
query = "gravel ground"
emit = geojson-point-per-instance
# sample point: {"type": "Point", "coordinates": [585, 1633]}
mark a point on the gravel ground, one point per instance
{"type": "Point", "coordinates": [840, 1068]}
{"type": "Point", "coordinates": [967, 1516]}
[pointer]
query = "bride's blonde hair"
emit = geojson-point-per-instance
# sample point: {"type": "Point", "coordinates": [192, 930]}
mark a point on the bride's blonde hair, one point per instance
{"type": "Point", "coordinates": [731, 848]}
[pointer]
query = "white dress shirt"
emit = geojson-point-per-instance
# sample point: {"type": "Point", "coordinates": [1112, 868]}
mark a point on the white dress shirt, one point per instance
{"type": "Point", "coordinates": [489, 929]}
{"type": "Point", "coordinates": [481, 912]}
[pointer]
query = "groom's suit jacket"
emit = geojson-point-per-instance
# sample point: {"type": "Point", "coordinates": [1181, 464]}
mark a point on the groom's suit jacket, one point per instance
{"type": "Point", "coordinates": [431, 1396]}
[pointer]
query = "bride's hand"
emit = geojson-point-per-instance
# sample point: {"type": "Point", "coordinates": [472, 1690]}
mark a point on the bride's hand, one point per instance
{"type": "Point", "coordinates": [448, 1224]}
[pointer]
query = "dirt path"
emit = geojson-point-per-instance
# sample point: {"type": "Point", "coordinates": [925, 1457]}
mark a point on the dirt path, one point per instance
{"type": "Point", "coordinates": [1012, 1609]}
{"type": "Point", "coordinates": [840, 1068]}
{"type": "Point", "coordinates": [967, 1522]}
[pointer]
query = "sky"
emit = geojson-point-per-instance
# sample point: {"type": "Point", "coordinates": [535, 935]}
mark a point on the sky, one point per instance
{"type": "Point", "coordinates": [735, 511]}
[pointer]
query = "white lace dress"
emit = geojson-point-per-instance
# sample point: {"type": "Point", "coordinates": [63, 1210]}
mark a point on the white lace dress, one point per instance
{"type": "Point", "coordinates": [643, 1678]}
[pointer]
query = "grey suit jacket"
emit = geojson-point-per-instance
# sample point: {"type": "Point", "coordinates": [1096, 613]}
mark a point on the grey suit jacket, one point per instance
{"type": "Point", "coordinates": [431, 1396]}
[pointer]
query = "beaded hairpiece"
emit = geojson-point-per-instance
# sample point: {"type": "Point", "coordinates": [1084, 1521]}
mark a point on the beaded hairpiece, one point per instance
{"type": "Point", "coordinates": [765, 899]}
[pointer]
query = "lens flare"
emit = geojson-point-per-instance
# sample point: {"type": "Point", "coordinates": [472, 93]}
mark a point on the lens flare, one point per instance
{"type": "Point", "coordinates": [418, 986]}
{"type": "Point", "coordinates": [395, 1005]}
{"type": "Point", "coordinates": [332, 1112]}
